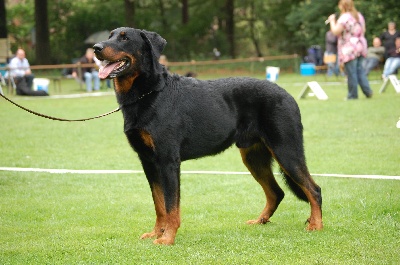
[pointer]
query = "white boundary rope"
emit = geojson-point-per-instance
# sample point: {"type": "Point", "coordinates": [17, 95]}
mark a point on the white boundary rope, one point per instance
{"type": "Point", "coordinates": [80, 171]}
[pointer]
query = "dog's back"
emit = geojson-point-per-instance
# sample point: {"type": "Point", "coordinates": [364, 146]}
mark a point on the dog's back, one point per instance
{"type": "Point", "coordinates": [211, 115]}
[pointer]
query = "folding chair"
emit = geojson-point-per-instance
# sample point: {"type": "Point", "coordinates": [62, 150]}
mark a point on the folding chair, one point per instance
{"type": "Point", "coordinates": [6, 78]}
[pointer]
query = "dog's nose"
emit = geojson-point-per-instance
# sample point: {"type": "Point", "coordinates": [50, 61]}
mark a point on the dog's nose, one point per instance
{"type": "Point", "coordinates": [98, 47]}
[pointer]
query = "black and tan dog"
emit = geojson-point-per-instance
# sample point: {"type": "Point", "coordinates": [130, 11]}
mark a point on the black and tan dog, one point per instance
{"type": "Point", "coordinates": [169, 119]}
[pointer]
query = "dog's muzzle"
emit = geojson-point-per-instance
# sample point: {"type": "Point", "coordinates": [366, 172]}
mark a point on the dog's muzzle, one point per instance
{"type": "Point", "coordinates": [110, 68]}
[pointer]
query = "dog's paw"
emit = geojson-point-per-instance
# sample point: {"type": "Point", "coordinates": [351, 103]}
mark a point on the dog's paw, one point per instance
{"type": "Point", "coordinates": [164, 241]}
{"type": "Point", "coordinates": [149, 235]}
{"type": "Point", "coordinates": [258, 221]}
{"type": "Point", "coordinates": [312, 225]}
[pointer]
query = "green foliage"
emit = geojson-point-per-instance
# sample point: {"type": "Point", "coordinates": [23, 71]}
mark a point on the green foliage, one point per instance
{"type": "Point", "coordinates": [93, 18]}
{"type": "Point", "coordinates": [277, 34]}
{"type": "Point", "coordinates": [194, 39]}
{"type": "Point", "coordinates": [377, 15]}
{"type": "Point", "coordinates": [20, 24]}
{"type": "Point", "coordinates": [306, 21]}
{"type": "Point", "coordinates": [274, 27]}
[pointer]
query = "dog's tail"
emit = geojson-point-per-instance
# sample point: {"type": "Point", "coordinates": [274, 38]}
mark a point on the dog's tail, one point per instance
{"type": "Point", "coordinates": [294, 187]}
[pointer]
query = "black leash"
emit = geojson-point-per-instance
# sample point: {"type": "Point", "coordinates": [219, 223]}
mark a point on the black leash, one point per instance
{"type": "Point", "coordinates": [54, 118]}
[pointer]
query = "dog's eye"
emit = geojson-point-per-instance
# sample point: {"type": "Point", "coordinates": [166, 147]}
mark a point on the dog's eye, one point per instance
{"type": "Point", "coordinates": [124, 37]}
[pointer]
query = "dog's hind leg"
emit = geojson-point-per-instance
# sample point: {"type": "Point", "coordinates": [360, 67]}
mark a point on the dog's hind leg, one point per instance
{"type": "Point", "coordinates": [258, 160]}
{"type": "Point", "coordinates": [298, 178]}
{"type": "Point", "coordinates": [165, 192]}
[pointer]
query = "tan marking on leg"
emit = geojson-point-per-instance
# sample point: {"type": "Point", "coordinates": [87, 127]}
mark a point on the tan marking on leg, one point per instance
{"type": "Point", "coordinates": [263, 174]}
{"type": "Point", "coordinates": [159, 204]}
{"type": "Point", "coordinates": [172, 223]}
{"type": "Point", "coordinates": [147, 139]}
{"type": "Point", "coordinates": [315, 220]}
{"type": "Point", "coordinates": [167, 224]}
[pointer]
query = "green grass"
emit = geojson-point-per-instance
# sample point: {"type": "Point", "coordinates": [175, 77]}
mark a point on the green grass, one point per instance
{"type": "Point", "coordinates": [97, 219]}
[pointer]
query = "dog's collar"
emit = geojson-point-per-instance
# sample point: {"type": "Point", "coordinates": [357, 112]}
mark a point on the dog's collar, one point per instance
{"type": "Point", "coordinates": [136, 100]}
{"type": "Point", "coordinates": [145, 94]}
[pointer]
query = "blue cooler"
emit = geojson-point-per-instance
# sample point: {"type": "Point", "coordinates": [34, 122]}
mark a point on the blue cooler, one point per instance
{"type": "Point", "coordinates": [307, 69]}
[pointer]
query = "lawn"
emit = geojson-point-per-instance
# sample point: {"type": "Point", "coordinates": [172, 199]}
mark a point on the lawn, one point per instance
{"type": "Point", "coordinates": [97, 218]}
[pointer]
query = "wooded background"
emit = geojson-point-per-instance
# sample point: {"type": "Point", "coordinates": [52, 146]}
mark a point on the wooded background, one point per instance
{"type": "Point", "coordinates": [54, 31]}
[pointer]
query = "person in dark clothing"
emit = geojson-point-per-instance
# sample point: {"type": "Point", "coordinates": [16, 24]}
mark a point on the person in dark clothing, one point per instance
{"type": "Point", "coordinates": [392, 63]}
{"type": "Point", "coordinates": [388, 38]}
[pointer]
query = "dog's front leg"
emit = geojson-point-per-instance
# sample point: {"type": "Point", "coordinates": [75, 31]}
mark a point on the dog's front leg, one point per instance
{"type": "Point", "coordinates": [159, 204]}
{"type": "Point", "coordinates": [164, 181]}
{"type": "Point", "coordinates": [153, 177]}
{"type": "Point", "coordinates": [170, 180]}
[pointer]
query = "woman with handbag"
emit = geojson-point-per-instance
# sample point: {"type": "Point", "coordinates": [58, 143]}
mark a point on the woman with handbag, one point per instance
{"type": "Point", "coordinates": [352, 47]}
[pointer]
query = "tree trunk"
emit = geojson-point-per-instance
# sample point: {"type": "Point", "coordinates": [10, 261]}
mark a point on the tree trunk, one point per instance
{"type": "Point", "coordinates": [185, 12]}
{"type": "Point", "coordinates": [42, 33]}
{"type": "Point", "coordinates": [130, 13]}
{"type": "Point", "coordinates": [230, 26]}
{"type": "Point", "coordinates": [254, 39]}
{"type": "Point", "coordinates": [253, 36]}
{"type": "Point", "coordinates": [163, 18]}
{"type": "Point", "coordinates": [3, 22]}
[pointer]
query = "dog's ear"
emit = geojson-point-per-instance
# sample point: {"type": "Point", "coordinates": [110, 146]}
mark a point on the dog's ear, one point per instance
{"type": "Point", "coordinates": [155, 42]}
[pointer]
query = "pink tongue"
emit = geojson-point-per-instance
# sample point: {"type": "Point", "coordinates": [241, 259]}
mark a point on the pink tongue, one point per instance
{"type": "Point", "coordinates": [104, 71]}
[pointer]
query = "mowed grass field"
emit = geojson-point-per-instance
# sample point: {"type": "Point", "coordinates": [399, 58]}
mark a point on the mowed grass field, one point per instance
{"type": "Point", "coordinates": [98, 218]}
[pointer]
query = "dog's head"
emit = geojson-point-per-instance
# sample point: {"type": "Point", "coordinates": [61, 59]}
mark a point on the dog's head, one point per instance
{"type": "Point", "coordinates": [129, 52]}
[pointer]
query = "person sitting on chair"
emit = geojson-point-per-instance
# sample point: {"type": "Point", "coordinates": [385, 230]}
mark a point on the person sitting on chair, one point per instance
{"type": "Point", "coordinates": [89, 74]}
{"type": "Point", "coordinates": [392, 63]}
{"type": "Point", "coordinates": [374, 55]}
{"type": "Point", "coordinates": [20, 68]}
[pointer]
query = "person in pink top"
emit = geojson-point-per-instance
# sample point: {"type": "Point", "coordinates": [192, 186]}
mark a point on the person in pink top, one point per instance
{"type": "Point", "coordinates": [352, 47]}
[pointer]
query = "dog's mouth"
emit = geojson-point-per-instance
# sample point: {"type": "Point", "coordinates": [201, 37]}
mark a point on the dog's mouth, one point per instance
{"type": "Point", "coordinates": [111, 70]}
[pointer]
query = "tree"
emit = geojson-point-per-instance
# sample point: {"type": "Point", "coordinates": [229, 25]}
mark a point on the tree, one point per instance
{"type": "Point", "coordinates": [237, 28]}
{"type": "Point", "coordinates": [251, 11]}
{"type": "Point", "coordinates": [4, 46]}
{"type": "Point", "coordinates": [43, 55]}
{"type": "Point", "coordinates": [130, 13]}
{"type": "Point", "coordinates": [306, 22]}
{"type": "Point", "coordinates": [185, 12]}
{"type": "Point", "coordinates": [230, 26]}
{"type": "Point", "coordinates": [3, 21]}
